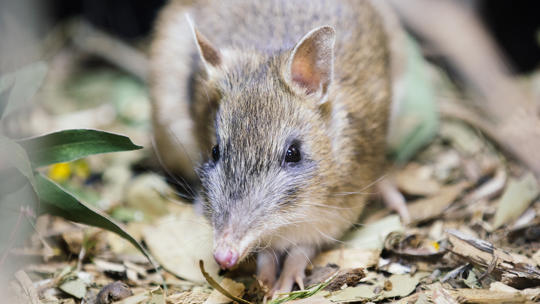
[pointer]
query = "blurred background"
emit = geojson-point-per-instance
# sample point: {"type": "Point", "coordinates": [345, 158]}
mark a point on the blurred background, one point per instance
{"type": "Point", "coordinates": [26, 23]}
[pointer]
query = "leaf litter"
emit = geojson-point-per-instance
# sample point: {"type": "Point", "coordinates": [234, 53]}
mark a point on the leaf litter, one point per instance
{"type": "Point", "coordinates": [474, 235]}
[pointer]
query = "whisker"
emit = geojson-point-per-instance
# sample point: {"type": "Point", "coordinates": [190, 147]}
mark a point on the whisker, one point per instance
{"type": "Point", "coordinates": [182, 183]}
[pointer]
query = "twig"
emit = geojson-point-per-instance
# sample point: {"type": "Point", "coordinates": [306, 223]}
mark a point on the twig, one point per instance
{"type": "Point", "coordinates": [510, 269]}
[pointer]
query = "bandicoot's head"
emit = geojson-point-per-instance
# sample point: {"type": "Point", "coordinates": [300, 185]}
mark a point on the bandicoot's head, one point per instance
{"type": "Point", "coordinates": [271, 153]}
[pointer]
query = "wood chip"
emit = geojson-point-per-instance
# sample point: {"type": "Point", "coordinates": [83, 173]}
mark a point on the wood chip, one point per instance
{"type": "Point", "coordinates": [511, 269]}
{"type": "Point", "coordinates": [487, 296]}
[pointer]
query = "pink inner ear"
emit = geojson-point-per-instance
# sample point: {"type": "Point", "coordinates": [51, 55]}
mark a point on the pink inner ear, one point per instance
{"type": "Point", "coordinates": [208, 52]}
{"type": "Point", "coordinates": [304, 73]}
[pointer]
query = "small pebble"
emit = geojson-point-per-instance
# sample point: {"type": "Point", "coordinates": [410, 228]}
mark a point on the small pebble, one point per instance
{"type": "Point", "coordinates": [113, 292]}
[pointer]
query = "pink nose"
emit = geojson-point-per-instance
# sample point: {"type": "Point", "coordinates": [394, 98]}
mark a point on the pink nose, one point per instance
{"type": "Point", "coordinates": [226, 258]}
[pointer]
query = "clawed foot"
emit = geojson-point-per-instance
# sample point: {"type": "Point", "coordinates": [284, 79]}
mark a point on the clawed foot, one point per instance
{"type": "Point", "coordinates": [287, 279]}
{"type": "Point", "coordinates": [393, 199]}
{"type": "Point", "coordinates": [293, 270]}
{"type": "Point", "coordinates": [267, 267]}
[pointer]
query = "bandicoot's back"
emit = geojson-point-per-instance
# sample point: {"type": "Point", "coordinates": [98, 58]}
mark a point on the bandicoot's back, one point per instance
{"type": "Point", "coordinates": [269, 27]}
{"type": "Point", "coordinates": [282, 106]}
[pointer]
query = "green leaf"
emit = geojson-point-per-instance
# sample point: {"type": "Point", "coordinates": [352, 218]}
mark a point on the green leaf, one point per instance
{"type": "Point", "coordinates": [69, 145]}
{"type": "Point", "coordinates": [56, 201]}
{"type": "Point", "coordinates": [23, 84]}
{"type": "Point", "coordinates": [416, 121]}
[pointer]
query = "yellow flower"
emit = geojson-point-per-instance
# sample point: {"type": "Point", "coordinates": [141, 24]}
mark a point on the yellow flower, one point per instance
{"type": "Point", "coordinates": [436, 246]}
{"type": "Point", "coordinates": [60, 172]}
{"type": "Point", "coordinates": [81, 169]}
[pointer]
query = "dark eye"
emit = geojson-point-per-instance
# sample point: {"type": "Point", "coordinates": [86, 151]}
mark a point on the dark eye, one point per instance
{"type": "Point", "coordinates": [293, 154]}
{"type": "Point", "coordinates": [215, 153]}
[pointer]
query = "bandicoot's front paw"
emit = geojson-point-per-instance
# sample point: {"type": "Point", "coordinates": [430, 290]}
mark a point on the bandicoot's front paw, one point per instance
{"type": "Point", "coordinates": [267, 267]}
{"type": "Point", "coordinates": [286, 281]}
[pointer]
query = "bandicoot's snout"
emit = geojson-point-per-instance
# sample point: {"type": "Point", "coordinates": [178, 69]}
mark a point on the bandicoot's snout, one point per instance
{"type": "Point", "coordinates": [225, 252]}
{"type": "Point", "coordinates": [226, 257]}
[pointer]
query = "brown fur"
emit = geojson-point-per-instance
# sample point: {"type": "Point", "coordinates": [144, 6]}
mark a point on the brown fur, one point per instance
{"type": "Point", "coordinates": [250, 197]}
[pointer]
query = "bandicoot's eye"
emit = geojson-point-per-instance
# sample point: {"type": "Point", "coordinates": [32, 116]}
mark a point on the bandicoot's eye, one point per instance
{"type": "Point", "coordinates": [215, 153]}
{"type": "Point", "coordinates": [293, 154]}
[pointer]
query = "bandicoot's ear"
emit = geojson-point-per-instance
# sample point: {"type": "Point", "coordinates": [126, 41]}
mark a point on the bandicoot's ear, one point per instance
{"type": "Point", "coordinates": [311, 63]}
{"type": "Point", "coordinates": [209, 54]}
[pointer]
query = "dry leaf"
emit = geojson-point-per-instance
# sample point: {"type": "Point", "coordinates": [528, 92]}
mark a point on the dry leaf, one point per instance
{"type": "Point", "coordinates": [516, 199]}
{"type": "Point", "coordinates": [153, 296]}
{"type": "Point", "coordinates": [234, 288]}
{"type": "Point", "coordinates": [106, 266]}
{"type": "Point", "coordinates": [76, 288]}
{"type": "Point", "coordinates": [149, 193]}
{"type": "Point", "coordinates": [428, 208]}
{"type": "Point", "coordinates": [463, 138]}
{"type": "Point", "coordinates": [417, 180]}
{"type": "Point", "coordinates": [372, 236]}
{"type": "Point", "coordinates": [401, 285]}
{"type": "Point", "coordinates": [442, 296]}
{"type": "Point", "coordinates": [348, 258]}
{"type": "Point", "coordinates": [178, 242]}
{"type": "Point", "coordinates": [195, 296]}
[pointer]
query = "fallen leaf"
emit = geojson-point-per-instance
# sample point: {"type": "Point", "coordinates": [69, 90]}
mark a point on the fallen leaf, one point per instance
{"type": "Point", "coordinates": [76, 288]}
{"type": "Point", "coordinates": [106, 266]}
{"type": "Point", "coordinates": [372, 236]}
{"type": "Point", "coordinates": [349, 258]}
{"type": "Point", "coordinates": [462, 137]}
{"type": "Point", "coordinates": [234, 288]}
{"type": "Point", "coordinates": [428, 208]}
{"type": "Point", "coordinates": [490, 188]}
{"type": "Point", "coordinates": [346, 277]}
{"type": "Point", "coordinates": [195, 296]}
{"type": "Point", "coordinates": [392, 267]}
{"type": "Point", "coordinates": [401, 285]}
{"type": "Point", "coordinates": [440, 295]}
{"type": "Point", "coordinates": [154, 296]}
{"type": "Point", "coordinates": [417, 180]}
{"type": "Point", "coordinates": [148, 193]}
{"type": "Point", "coordinates": [74, 239]}
{"type": "Point", "coordinates": [516, 199]}
{"type": "Point", "coordinates": [178, 242]}
{"type": "Point", "coordinates": [498, 286]}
